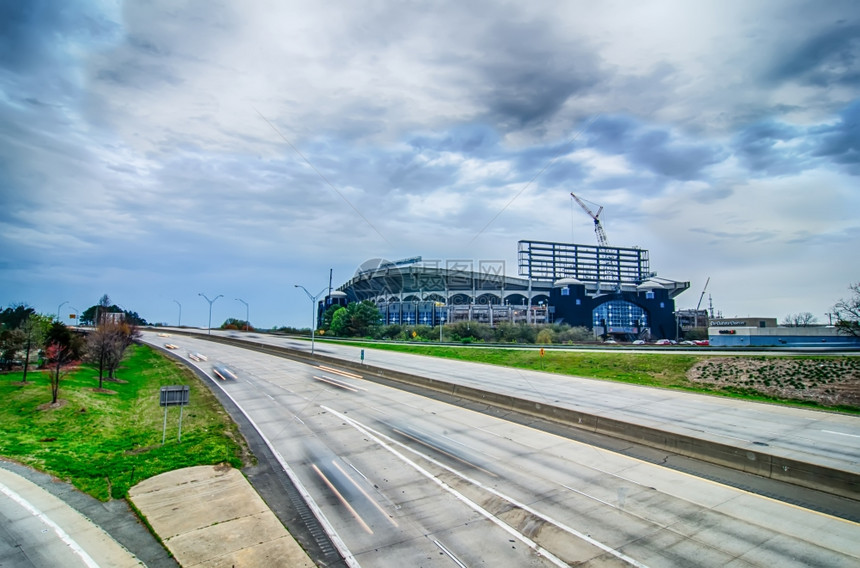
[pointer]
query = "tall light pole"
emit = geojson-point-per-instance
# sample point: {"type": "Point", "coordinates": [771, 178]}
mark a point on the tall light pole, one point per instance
{"type": "Point", "coordinates": [212, 301]}
{"type": "Point", "coordinates": [77, 316]}
{"type": "Point", "coordinates": [179, 321]}
{"type": "Point", "coordinates": [247, 313]}
{"type": "Point", "coordinates": [313, 300]}
{"type": "Point", "coordinates": [58, 311]}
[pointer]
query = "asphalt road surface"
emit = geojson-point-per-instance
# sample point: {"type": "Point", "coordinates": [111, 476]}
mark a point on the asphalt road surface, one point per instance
{"type": "Point", "coordinates": [403, 480]}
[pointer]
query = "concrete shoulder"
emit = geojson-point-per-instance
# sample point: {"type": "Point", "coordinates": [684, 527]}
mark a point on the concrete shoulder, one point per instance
{"type": "Point", "coordinates": [210, 516]}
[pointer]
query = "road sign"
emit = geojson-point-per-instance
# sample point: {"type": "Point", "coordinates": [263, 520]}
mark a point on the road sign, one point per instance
{"type": "Point", "coordinates": [173, 395]}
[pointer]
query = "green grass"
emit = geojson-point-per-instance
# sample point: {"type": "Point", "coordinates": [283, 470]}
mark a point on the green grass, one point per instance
{"type": "Point", "coordinates": [662, 370]}
{"type": "Point", "coordinates": [652, 369]}
{"type": "Point", "coordinates": [105, 443]}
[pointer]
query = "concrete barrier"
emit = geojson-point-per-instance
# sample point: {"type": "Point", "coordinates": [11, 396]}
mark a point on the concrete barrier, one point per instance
{"type": "Point", "coordinates": [757, 462]}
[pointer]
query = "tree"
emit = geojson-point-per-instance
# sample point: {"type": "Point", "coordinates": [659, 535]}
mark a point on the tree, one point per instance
{"type": "Point", "coordinates": [94, 314]}
{"type": "Point", "coordinates": [13, 317]}
{"type": "Point", "coordinates": [100, 346]}
{"type": "Point", "coordinates": [233, 323]}
{"type": "Point", "coordinates": [61, 347]}
{"type": "Point", "coordinates": [124, 334]}
{"type": "Point", "coordinates": [357, 319]}
{"type": "Point", "coordinates": [325, 323]}
{"type": "Point", "coordinates": [34, 330]}
{"type": "Point", "coordinates": [11, 341]}
{"type": "Point", "coordinates": [847, 312]}
{"type": "Point", "coordinates": [802, 319]}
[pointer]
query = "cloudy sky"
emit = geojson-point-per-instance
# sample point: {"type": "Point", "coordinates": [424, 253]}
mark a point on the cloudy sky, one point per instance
{"type": "Point", "coordinates": [153, 150]}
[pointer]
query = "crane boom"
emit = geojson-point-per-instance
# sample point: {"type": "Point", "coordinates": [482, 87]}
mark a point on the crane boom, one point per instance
{"type": "Point", "coordinates": [699, 305]}
{"type": "Point", "coordinates": [598, 228]}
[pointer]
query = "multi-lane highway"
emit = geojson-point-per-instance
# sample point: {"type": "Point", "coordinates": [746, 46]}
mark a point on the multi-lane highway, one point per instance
{"type": "Point", "coordinates": [400, 479]}
{"type": "Point", "coordinates": [828, 439]}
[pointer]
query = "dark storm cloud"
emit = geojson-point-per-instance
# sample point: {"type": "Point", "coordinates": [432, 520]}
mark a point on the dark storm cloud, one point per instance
{"type": "Point", "coordinates": [757, 147]}
{"type": "Point", "coordinates": [657, 150]}
{"type": "Point", "coordinates": [841, 142]}
{"type": "Point", "coordinates": [775, 148]}
{"type": "Point", "coordinates": [832, 57]}
{"type": "Point", "coordinates": [528, 72]}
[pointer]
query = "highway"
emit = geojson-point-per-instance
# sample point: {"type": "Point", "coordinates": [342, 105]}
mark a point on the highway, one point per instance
{"type": "Point", "coordinates": [402, 479]}
{"type": "Point", "coordinates": [829, 439]}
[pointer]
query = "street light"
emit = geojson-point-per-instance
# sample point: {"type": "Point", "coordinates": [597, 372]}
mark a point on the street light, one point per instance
{"type": "Point", "coordinates": [209, 329]}
{"type": "Point", "coordinates": [77, 316]}
{"type": "Point", "coordinates": [247, 313]}
{"type": "Point", "coordinates": [313, 300]}
{"type": "Point", "coordinates": [58, 311]}
{"type": "Point", "coordinates": [179, 322]}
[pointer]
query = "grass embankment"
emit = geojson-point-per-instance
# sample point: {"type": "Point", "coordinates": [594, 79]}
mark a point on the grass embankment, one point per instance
{"type": "Point", "coordinates": [652, 369]}
{"type": "Point", "coordinates": [831, 383]}
{"type": "Point", "coordinates": [105, 442]}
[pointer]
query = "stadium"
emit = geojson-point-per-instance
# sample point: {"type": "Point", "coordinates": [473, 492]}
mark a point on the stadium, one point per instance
{"type": "Point", "coordinates": [610, 290]}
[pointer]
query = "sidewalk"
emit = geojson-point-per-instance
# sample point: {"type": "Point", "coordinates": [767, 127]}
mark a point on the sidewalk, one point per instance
{"type": "Point", "coordinates": [50, 532]}
{"type": "Point", "coordinates": [210, 516]}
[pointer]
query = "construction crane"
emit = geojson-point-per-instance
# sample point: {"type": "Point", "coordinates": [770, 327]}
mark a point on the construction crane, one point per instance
{"type": "Point", "coordinates": [699, 305]}
{"type": "Point", "coordinates": [702, 297]}
{"type": "Point", "coordinates": [598, 228]}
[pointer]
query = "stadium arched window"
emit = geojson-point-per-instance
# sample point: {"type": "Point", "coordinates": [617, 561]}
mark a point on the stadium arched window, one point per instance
{"type": "Point", "coordinates": [619, 313]}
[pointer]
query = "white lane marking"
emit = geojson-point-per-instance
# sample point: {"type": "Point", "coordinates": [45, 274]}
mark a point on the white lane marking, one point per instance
{"type": "Point", "coordinates": [377, 437]}
{"type": "Point", "coordinates": [270, 396]}
{"type": "Point", "coordinates": [357, 471]}
{"type": "Point", "coordinates": [841, 433]}
{"type": "Point", "coordinates": [345, 553]}
{"type": "Point", "coordinates": [450, 554]}
{"type": "Point", "coordinates": [69, 541]}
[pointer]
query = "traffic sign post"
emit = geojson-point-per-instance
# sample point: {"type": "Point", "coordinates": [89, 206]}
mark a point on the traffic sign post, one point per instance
{"type": "Point", "coordinates": [541, 357]}
{"type": "Point", "coordinates": [173, 395]}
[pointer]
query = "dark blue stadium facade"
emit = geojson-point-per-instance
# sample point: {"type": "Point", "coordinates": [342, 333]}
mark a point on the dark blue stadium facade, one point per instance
{"type": "Point", "coordinates": [609, 290]}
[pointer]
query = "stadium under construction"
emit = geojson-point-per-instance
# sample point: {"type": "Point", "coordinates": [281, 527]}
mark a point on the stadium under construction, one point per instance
{"type": "Point", "coordinates": [610, 290]}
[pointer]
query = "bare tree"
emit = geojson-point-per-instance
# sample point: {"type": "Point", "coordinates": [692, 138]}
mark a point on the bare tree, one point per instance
{"type": "Point", "coordinates": [99, 347]}
{"type": "Point", "coordinates": [847, 312]}
{"type": "Point", "coordinates": [58, 355]}
{"type": "Point", "coordinates": [801, 319]}
{"type": "Point", "coordinates": [108, 344]}
{"type": "Point", "coordinates": [34, 329]}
